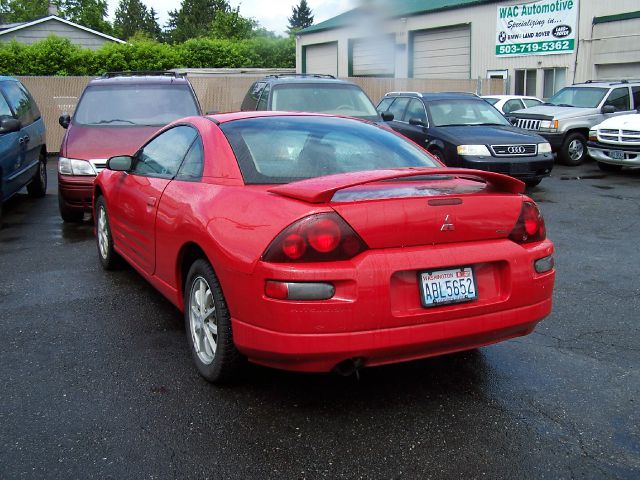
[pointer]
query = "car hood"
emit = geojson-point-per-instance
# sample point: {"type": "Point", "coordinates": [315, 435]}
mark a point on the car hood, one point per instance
{"type": "Point", "coordinates": [88, 143]}
{"type": "Point", "coordinates": [622, 122]}
{"type": "Point", "coordinates": [488, 135]}
{"type": "Point", "coordinates": [549, 112]}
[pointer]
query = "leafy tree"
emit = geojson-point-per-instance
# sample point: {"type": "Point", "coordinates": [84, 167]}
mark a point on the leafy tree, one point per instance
{"type": "Point", "coordinates": [194, 19]}
{"type": "Point", "coordinates": [230, 24]}
{"type": "Point", "coordinates": [301, 18]}
{"type": "Point", "coordinates": [22, 10]}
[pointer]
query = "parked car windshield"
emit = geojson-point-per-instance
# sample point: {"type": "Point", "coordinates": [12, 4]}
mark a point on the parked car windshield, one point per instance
{"type": "Point", "coordinates": [337, 99]}
{"type": "Point", "coordinates": [149, 105]}
{"type": "Point", "coordinates": [447, 113]}
{"type": "Point", "coordinates": [282, 149]}
{"type": "Point", "coordinates": [585, 97]}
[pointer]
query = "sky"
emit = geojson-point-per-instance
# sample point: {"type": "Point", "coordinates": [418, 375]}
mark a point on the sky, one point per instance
{"type": "Point", "coordinates": [272, 14]}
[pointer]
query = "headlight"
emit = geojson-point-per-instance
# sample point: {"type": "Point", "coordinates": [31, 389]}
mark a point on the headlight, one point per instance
{"type": "Point", "coordinates": [71, 166]}
{"type": "Point", "coordinates": [549, 124]}
{"type": "Point", "coordinates": [593, 135]}
{"type": "Point", "coordinates": [544, 147]}
{"type": "Point", "coordinates": [473, 150]}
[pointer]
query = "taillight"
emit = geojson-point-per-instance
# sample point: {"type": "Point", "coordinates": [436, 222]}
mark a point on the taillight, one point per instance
{"type": "Point", "coordinates": [530, 225]}
{"type": "Point", "coordinates": [316, 238]}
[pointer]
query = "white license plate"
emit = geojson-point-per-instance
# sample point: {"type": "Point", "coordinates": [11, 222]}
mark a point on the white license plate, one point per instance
{"type": "Point", "coordinates": [455, 285]}
{"type": "Point", "coordinates": [616, 154]}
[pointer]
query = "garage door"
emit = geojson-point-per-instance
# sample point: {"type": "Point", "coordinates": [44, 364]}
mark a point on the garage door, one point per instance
{"type": "Point", "coordinates": [618, 71]}
{"type": "Point", "coordinates": [442, 53]}
{"type": "Point", "coordinates": [322, 59]}
{"type": "Point", "coordinates": [373, 56]}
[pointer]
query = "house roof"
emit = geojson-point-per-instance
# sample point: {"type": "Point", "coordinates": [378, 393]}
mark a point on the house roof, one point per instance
{"type": "Point", "coordinates": [13, 27]}
{"type": "Point", "coordinates": [395, 9]}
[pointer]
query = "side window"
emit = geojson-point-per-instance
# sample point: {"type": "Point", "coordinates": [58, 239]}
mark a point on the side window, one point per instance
{"type": "Point", "coordinates": [19, 101]}
{"type": "Point", "coordinates": [415, 110]}
{"type": "Point", "coordinates": [531, 102]}
{"type": "Point", "coordinates": [512, 105]}
{"type": "Point", "coordinates": [5, 111]}
{"type": "Point", "coordinates": [191, 168]}
{"type": "Point", "coordinates": [636, 97]}
{"type": "Point", "coordinates": [398, 107]}
{"type": "Point", "coordinates": [619, 98]}
{"type": "Point", "coordinates": [162, 156]}
{"type": "Point", "coordinates": [251, 99]}
{"type": "Point", "coordinates": [264, 98]}
{"type": "Point", "coordinates": [384, 104]}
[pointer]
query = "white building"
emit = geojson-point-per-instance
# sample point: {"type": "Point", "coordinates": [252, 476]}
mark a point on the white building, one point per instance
{"type": "Point", "coordinates": [538, 47]}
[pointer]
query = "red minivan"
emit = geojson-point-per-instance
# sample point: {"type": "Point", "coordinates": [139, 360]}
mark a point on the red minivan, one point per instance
{"type": "Point", "coordinates": [116, 114]}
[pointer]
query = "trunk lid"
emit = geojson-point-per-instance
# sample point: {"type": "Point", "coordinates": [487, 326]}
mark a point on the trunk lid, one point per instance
{"type": "Point", "coordinates": [428, 207]}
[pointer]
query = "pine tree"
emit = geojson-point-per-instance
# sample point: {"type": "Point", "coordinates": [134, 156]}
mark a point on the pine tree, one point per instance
{"type": "Point", "coordinates": [22, 10]}
{"type": "Point", "coordinates": [131, 17]}
{"type": "Point", "coordinates": [194, 19]}
{"type": "Point", "coordinates": [153, 26]}
{"type": "Point", "coordinates": [89, 13]}
{"type": "Point", "coordinates": [301, 18]}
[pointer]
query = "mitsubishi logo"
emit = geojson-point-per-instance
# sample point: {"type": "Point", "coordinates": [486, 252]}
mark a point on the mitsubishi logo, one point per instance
{"type": "Point", "coordinates": [447, 225]}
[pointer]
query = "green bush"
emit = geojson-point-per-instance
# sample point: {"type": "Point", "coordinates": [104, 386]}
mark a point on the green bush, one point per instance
{"type": "Point", "coordinates": [58, 56]}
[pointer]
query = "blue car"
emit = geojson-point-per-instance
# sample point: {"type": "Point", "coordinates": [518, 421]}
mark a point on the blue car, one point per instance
{"type": "Point", "coordinates": [23, 151]}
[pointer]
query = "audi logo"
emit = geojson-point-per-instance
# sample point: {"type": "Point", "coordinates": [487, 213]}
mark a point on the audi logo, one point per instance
{"type": "Point", "coordinates": [515, 149]}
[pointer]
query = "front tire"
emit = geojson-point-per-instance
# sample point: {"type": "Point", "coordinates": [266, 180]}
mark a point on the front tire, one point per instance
{"type": "Point", "coordinates": [439, 154]}
{"type": "Point", "coordinates": [37, 188]}
{"type": "Point", "coordinates": [574, 149]}
{"type": "Point", "coordinates": [533, 183]}
{"type": "Point", "coordinates": [208, 325]}
{"type": "Point", "coordinates": [109, 259]}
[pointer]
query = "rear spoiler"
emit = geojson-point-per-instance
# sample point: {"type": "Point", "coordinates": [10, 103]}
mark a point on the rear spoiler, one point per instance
{"type": "Point", "coordinates": [322, 189]}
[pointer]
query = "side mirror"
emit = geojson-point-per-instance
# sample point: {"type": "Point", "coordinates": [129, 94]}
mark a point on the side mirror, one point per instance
{"type": "Point", "coordinates": [609, 109]}
{"type": "Point", "coordinates": [8, 125]}
{"type": "Point", "coordinates": [387, 116]}
{"type": "Point", "coordinates": [417, 122]}
{"type": "Point", "coordinates": [64, 120]}
{"type": "Point", "coordinates": [120, 163]}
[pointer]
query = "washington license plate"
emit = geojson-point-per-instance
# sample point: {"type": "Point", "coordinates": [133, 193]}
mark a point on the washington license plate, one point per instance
{"type": "Point", "coordinates": [440, 287]}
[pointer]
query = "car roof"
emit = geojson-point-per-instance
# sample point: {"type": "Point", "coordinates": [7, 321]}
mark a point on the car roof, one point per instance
{"type": "Point", "coordinates": [429, 96]}
{"type": "Point", "coordinates": [605, 83]}
{"type": "Point", "coordinates": [133, 78]}
{"type": "Point", "coordinates": [304, 78]}
{"type": "Point", "coordinates": [5, 77]}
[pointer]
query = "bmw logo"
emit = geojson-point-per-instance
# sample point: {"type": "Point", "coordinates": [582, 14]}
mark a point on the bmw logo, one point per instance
{"type": "Point", "coordinates": [502, 36]}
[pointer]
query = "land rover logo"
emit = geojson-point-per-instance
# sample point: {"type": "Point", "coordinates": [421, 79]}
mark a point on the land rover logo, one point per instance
{"type": "Point", "coordinates": [515, 149]}
{"type": "Point", "coordinates": [561, 31]}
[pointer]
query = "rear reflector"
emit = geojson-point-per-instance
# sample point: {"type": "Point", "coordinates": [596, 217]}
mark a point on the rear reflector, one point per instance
{"type": "Point", "coordinates": [545, 264]}
{"type": "Point", "coordinates": [298, 290]}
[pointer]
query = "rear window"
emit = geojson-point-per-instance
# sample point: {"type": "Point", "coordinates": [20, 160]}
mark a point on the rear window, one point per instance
{"type": "Point", "coordinates": [128, 105]}
{"type": "Point", "coordinates": [281, 149]}
{"type": "Point", "coordinates": [337, 99]}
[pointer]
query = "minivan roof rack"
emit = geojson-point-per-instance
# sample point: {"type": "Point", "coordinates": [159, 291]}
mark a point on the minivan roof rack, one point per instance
{"type": "Point", "coordinates": [144, 73]}
{"type": "Point", "coordinates": [302, 75]}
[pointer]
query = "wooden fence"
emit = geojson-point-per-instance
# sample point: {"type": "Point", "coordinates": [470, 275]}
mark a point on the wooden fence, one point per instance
{"type": "Point", "coordinates": [58, 95]}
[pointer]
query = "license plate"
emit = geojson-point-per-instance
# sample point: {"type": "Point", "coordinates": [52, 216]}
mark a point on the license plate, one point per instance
{"type": "Point", "coordinates": [616, 154]}
{"type": "Point", "coordinates": [440, 287]}
{"type": "Point", "coordinates": [519, 168]}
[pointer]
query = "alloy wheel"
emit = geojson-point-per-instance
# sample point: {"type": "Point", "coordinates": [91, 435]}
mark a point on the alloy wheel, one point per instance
{"type": "Point", "coordinates": [203, 321]}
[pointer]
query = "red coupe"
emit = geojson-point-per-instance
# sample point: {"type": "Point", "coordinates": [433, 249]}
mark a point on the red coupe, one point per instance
{"type": "Point", "coordinates": [316, 243]}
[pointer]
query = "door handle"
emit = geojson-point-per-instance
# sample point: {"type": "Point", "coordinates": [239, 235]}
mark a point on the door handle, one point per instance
{"type": "Point", "coordinates": [151, 201]}
{"type": "Point", "coordinates": [23, 140]}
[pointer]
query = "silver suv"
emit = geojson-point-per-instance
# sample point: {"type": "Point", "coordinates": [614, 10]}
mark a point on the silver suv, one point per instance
{"type": "Point", "coordinates": [565, 119]}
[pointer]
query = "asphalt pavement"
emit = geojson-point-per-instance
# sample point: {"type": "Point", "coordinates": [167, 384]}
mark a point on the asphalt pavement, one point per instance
{"type": "Point", "coordinates": [96, 380]}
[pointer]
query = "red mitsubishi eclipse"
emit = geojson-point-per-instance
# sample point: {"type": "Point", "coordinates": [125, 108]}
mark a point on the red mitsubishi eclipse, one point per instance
{"type": "Point", "coordinates": [316, 243]}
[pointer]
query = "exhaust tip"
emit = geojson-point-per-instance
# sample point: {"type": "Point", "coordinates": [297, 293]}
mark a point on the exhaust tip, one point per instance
{"type": "Point", "coordinates": [348, 367]}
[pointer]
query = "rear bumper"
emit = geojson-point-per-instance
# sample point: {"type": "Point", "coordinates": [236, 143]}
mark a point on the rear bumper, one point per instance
{"type": "Point", "coordinates": [322, 352]}
{"type": "Point", "coordinates": [524, 168]}
{"type": "Point", "coordinates": [75, 193]}
{"type": "Point", "coordinates": [601, 152]}
{"type": "Point", "coordinates": [376, 313]}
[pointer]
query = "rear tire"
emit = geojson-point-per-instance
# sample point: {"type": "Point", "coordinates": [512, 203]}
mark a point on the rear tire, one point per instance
{"type": "Point", "coordinates": [37, 188]}
{"type": "Point", "coordinates": [532, 183]}
{"type": "Point", "coordinates": [208, 325]}
{"type": "Point", "coordinates": [69, 216]}
{"type": "Point", "coordinates": [109, 259]}
{"type": "Point", "coordinates": [608, 167]}
{"type": "Point", "coordinates": [573, 150]}
{"type": "Point", "coordinates": [439, 154]}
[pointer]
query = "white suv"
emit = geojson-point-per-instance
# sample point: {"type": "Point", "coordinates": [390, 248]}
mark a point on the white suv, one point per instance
{"type": "Point", "coordinates": [615, 143]}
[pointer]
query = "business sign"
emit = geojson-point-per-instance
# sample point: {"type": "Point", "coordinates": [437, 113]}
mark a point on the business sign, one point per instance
{"type": "Point", "coordinates": [538, 28]}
